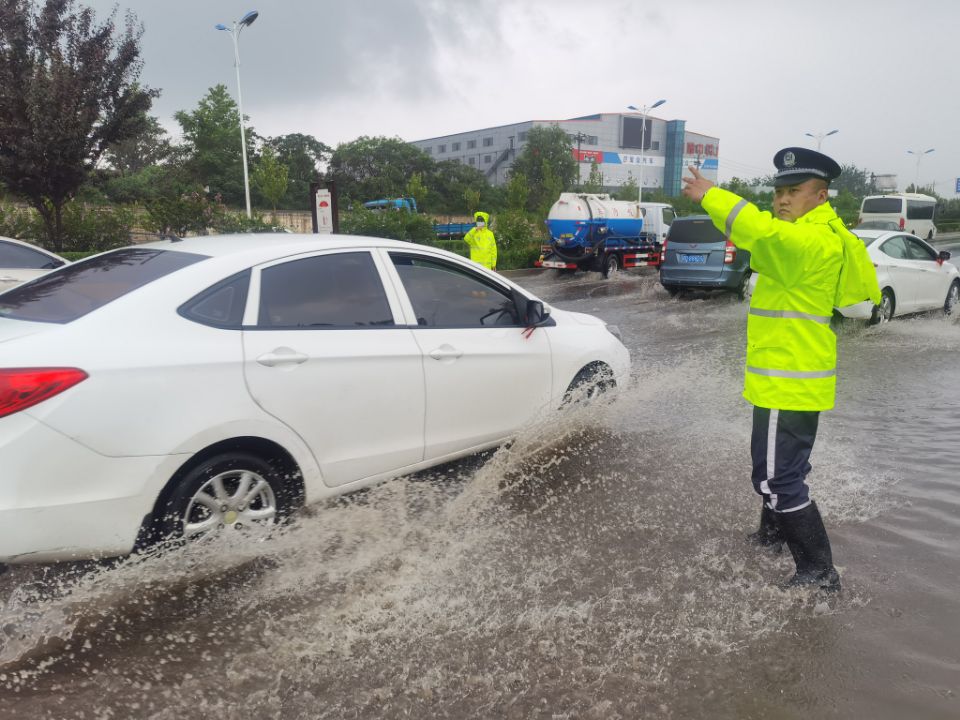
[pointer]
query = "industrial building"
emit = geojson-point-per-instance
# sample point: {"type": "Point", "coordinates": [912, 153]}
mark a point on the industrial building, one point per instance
{"type": "Point", "coordinates": [612, 140]}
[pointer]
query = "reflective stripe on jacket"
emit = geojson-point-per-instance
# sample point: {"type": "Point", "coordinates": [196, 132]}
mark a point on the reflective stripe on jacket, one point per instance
{"type": "Point", "coordinates": [483, 245]}
{"type": "Point", "coordinates": [791, 349]}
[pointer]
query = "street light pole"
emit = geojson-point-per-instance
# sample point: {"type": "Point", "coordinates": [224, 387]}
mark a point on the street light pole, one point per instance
{"type": "Point", "coordinates": [643, 128]}
{"type": "Point", "coordinates": [916, 182]}
{"type": "Point", "coordinates": [820, 136]}
{"type": "Point", "coordinates": [239, 25]}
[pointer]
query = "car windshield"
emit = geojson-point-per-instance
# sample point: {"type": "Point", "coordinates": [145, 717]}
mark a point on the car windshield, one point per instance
{"type": "Point", "coordinates": [75, 290]}
{"type": "Point", "coordinates": [877, 225]}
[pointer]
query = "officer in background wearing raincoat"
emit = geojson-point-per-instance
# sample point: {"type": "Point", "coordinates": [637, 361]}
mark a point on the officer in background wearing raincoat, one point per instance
{"type": "Point", "coordinates": [483, 245]}
{"type": "Point", "coordinates": [807, 264]}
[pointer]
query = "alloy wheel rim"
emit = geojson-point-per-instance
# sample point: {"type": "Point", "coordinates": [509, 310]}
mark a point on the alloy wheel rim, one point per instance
{"type": "Point", "coordinates": [235, 498]}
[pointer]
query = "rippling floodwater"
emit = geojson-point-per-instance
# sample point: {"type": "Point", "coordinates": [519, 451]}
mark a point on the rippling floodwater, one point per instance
{"type": "Point", "coordinates": [594, 569]}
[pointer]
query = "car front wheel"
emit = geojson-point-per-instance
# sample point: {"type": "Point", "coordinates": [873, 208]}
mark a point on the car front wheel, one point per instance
{"type": "Point", "coordinates": [884, 311]}
{"type": "Point", "coordinates": [589, 383]}
{"type": "Point", "coordinates": [228, 491]}
{"type": "Point", "coordinates": [953, 295]}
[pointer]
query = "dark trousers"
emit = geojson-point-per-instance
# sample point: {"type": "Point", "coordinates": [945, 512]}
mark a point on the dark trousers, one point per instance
{"type": "Point", "coordinates": [781, 444]}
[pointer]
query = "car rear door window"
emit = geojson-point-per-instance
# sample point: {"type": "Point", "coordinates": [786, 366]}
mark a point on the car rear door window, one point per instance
{"type": "Point", "coordinates": [445, 295]}
{"type": "Point", "coordinates": [75, 290]}
{"type": "Point", "coordinates": [17, 257]}
{"type": "Point", "coordinates": [341, 290]}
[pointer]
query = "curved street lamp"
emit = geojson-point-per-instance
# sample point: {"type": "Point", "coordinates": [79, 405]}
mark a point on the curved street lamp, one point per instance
{"type": "Point", "coordinates": [916, 182]}
{"type": "Point", "coordinates": [643, 126]}
{"type": "Point", "coordinates": [239, 25]}
{"type": "Point", "coordinates": [820, 136]}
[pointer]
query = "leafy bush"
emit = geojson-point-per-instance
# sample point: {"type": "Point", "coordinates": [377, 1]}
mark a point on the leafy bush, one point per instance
{"type": "Point", "coordinates": [517, 228]}
{"type": "Point", "coordinates": [389, 224]}
{"type": "Point", "coordinates": [20, 223]}
{"type": "Point", "coordinates": [95, 229]}
{"type": "Point", "coordinates": [519, 255]}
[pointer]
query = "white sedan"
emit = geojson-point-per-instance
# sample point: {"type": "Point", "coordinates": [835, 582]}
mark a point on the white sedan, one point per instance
{"type": "Point", "coordinates": [179, 387]}
{"type": "Point", "coordinates": [21, 261]}
{"type": "Point", "coordinates": [913, 277]}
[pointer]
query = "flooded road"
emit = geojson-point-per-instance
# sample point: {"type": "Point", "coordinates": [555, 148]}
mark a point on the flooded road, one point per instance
{"type": "Point", "coordinates": [594, 569]}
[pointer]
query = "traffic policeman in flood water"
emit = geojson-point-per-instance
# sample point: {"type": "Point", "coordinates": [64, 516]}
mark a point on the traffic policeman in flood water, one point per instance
{"type": "Point", "coordinates": [807, 264]}
{"type": "Point", "coordinates": [483, 245]}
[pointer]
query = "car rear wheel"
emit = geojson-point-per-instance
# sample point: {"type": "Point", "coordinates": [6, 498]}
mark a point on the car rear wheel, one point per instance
{"type": "Point", "coordinates": [884, 311]}
{"type": "Point", "coordinates": [672, 289]}
{"type": "Point", "coordinates": [953, 295]}
{"type": "Point", "coordinates": [611, 263]}
{"type": "Point", "coordinates": [744, 287]}
{"type": "Point", "coordinates": [230, 491]}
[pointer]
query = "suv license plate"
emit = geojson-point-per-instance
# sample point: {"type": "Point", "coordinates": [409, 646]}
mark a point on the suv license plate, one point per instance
{"type": "Point", "coordinates": [693, 259]}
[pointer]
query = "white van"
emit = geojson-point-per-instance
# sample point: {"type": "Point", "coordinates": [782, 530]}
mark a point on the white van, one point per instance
{"type": "Point", "coordinates": [911, 212]}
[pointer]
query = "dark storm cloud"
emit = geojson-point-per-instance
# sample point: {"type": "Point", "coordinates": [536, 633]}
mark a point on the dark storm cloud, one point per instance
{"type": "Point", "coordinates": [300, 52]}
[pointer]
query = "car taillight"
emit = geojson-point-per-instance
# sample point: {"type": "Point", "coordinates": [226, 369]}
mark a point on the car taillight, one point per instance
{"type": "Point", "coordinates": [903, 223]}
{"type": "Point", "coordinates": [22, 387]}
{"type": "Point", "coordinates": [729, 253]}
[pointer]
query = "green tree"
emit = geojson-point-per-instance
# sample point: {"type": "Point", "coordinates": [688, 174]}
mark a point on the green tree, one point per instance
{"type": "Point", "coordinates": [472, 200]}
{"type": "Point", "coordinates": [68, 91]}
{"type": "Point", "coordinates": [548, 164]}
{"type": "Point", "coordinates": [303, 155]}
{"type": "Point", "coordinates": [416, 189]}
{"type": "Point", "coordinates": [211, 134]}
{"type": "Point", "coordinates": [629, 190]}
{"type": "Point", "coordinates": [270, 177]}
{"type": "Point", "coordinates": [449, 180]}
{"type": "Point", "coordinates": [149, 147]}
{"type": "Point", "coordinates": [371, 168]}
{"type": "Point", "coordinates": [859, 182]}
{"type": "Point", "coordinates": [594, 182]}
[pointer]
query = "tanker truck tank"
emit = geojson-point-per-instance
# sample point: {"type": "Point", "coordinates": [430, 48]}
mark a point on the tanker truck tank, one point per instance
{"type": "Point", "coordinates": [596, 232]}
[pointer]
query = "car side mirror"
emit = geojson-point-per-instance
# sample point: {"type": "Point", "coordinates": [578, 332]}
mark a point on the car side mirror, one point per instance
{"type": "Point", "coordinates": [535, 313]}
{"type": "Point", "coordinates": [943, 256]}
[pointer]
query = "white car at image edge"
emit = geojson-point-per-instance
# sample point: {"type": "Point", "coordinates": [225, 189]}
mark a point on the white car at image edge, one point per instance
{"type": "Point", "coordinates": [21, 261]}
{"type": "Point", "coordinates": [183, 386]}
{"type": "Point", "coordinates": [913, 276]}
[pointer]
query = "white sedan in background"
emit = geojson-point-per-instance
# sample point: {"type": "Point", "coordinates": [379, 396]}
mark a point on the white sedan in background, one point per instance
{"type": "Point", "coordinates": [21, 261]}
{"type": "Point", "coordinates": [184, 386]}
{"type": "Point", "coordinates": [913, 277]}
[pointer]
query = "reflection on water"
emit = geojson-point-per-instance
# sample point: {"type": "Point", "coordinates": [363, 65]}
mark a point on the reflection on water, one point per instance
{"type": "Point", "coordinates": [594, 568]}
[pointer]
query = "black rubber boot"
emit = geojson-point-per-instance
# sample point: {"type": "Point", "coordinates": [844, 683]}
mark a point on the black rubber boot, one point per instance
{"type": "Point", "coordinates": [807, 539]}
{"type": "Point", "coordinates": [769, 535]}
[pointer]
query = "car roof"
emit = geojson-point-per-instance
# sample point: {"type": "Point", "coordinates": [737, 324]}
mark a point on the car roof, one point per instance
{"type": "Point", "coordinates": [276, 243]}
{"type": "Point", "coordinates": [32, 246]}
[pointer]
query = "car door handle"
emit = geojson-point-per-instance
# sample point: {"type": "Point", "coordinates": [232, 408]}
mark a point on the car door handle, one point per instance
{"type": "Point", "coordinates": [282, 356]}
{"type": "Point", "coordinates": [446, 352]}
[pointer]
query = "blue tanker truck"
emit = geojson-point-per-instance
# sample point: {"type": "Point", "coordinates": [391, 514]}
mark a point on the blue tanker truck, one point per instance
{"type": "Point", "coordinates": [595, 232]}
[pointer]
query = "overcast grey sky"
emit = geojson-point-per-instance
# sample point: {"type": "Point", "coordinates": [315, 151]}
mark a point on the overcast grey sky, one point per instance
{"type": "Point", "coordinates": [756, 74]}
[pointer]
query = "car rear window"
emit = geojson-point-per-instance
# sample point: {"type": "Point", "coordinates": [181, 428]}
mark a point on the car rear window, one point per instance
{"type": "Point", "coordinates": [882, 205]}
{"type": "Point", "coordinates": [75, 290]}
{"type": "Point", "coordinates": [684, 230]}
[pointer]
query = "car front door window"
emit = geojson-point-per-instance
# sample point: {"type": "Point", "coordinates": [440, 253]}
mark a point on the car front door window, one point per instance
{"type": "Point", "coordinates": [443, 295]}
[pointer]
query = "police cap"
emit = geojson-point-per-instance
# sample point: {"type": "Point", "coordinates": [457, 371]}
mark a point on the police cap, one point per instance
{"type": "Point", "coordinates": [796, 165]}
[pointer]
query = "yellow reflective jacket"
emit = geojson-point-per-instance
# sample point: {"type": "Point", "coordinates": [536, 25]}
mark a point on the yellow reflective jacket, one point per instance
{"type": "Point", "coordinates": [806, 268]}
{"type": "Point", "coordinates": [483, 245]}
